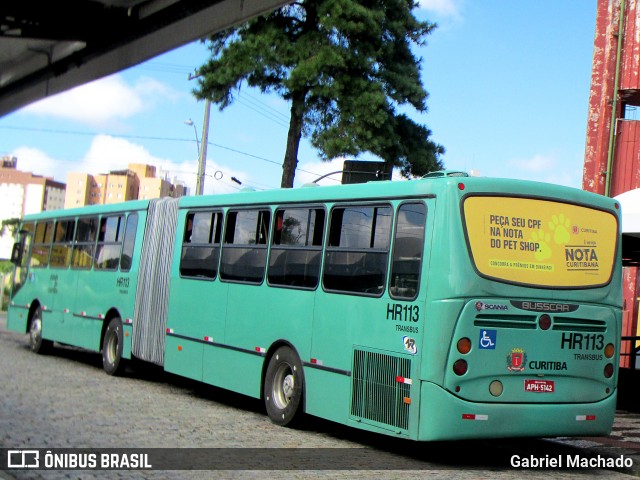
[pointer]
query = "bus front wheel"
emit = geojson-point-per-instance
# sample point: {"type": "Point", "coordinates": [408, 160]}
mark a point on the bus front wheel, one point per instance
{"type": "Point", "coordinates": [37, 344]}
{"type": "Point", "coordinates": [283, 387]}
{"type": "Point", "coordinates": [112, 348]}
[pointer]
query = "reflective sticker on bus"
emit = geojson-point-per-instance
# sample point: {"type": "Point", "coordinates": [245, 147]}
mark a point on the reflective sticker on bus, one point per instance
{"type": "Point", "coordinates": [474, 416]}
{"type": "Point", "coordinates": [582, 418]}
{"type": "Point", "coordinates": [410, 345]}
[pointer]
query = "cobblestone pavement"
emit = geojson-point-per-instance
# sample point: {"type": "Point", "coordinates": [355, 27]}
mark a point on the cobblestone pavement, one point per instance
{"type": "Point", "coordinates": [65, 400]}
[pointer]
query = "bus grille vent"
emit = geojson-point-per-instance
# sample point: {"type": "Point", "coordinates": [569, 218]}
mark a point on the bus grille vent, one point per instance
{"type": "Point", "coordinates": [379, 394]}
{"type": "Point", "coordinates": [566, 324]}
{"type": "Point", "coordinates": [530, 322]}
{"type": "Point", "coordinates": [527, 322]}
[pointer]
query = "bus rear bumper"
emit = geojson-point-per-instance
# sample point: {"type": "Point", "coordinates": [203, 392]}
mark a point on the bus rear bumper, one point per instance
{"type": "Point", "coordinates": [445, 416]}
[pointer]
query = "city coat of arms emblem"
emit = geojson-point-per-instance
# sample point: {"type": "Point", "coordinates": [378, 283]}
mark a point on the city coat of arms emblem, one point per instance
{"type": "Point", "coordinates": [516, 360]}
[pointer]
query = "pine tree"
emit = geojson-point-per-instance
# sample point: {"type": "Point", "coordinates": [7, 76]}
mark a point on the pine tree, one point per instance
{"type": "Point", "coordinates": [345, 66]}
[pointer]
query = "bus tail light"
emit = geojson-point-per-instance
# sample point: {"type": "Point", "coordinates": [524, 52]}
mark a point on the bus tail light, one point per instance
{"type": "Point", "coordinates": [464, 345]}
{"type": "Point", "coordinates": [544, 322]}
{"type": "Point", "coordinates": [460, 367]}
{"type": "Point", "coordinates": [609, 350]}
{"type": "Point", "coordinates": [608, 370]}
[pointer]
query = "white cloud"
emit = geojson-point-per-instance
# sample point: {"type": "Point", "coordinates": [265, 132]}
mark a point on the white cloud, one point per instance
{"type": "Point", "coordinates": [107, 153]}
{"type": "Point", "coordinates": [443, 8]}
{"type": "Point", "coordinates": [39, 163]}
{"type": "Point", "coordinates": [103, 101]}
{"type": "Point", "coordinates": [94, 103]}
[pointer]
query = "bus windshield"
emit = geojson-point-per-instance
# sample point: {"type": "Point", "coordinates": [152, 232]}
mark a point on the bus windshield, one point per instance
{"type": "Point", "coordinates": [540, 243]}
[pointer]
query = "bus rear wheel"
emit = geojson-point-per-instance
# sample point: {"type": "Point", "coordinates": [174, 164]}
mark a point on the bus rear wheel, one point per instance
{"type": "Point", "coordinates": [112, 348]}
{"type": "Point", "coordinates": [37, 344]}
{"type": "Point", "coordinates": [283, 387]}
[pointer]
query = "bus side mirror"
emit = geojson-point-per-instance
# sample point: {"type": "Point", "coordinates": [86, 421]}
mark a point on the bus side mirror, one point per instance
{"type": "Point", "coordinates": [16, 254]}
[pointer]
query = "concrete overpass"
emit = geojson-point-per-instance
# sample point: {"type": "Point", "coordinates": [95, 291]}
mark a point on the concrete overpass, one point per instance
{"type": "Point", "coordinates": [47, 47]}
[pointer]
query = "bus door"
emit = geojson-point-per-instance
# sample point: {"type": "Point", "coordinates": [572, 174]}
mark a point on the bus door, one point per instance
{"type": "Point", "coordinates": [242, 271]}
{"type": "Point", "coordinates": [113, 284]}
{"type": "Point", "coordinates": [368, 323]}
{"type": "Point", "coordinates": [86, 311]}
{"type": "Point", "coordinates": [197, 303]}
{"type": "Point", "coordinates": [58, 303]}
{"type": "Point", "coordinates": [20, 258]}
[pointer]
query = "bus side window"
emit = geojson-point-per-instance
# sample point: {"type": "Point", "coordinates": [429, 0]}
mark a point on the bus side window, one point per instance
{"type": "Point", "coordinates": [201, 245]}
{"type": "Point", "coordinates": [358, 251]}
{"type": "Point", "coordinates": [82, 256]}
{"type": "Point", "coordinates": [296, 248]}
{"type": "Point", "coordinates": [62, 240]}
{"type": "Point", "coordinates": [42, 244]}
{"type": "Point", "coordinates": [129, 242]}
{"type": "Point", "coordinates": [244, 253]}
{"type": "Point", "coordinates": [407, 251]}
{"type": "Point", "coordinates": [109, 245]}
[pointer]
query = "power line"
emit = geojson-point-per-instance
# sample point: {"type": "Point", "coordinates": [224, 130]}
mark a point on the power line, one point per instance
{"type": "Point", "coordinates": [146, 137]}
{"type": "Point", "coordinates": [244, 98]}
{"type": "Point", "coordinates": [262, 112]}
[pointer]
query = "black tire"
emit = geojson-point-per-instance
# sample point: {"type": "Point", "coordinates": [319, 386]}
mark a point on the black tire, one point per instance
{"type": "Point", "coordinates": [37, 344]}
{"type": "Point", "coordinates": [112, 361]}
{"type": "Point", "coordinates": [284, 387]}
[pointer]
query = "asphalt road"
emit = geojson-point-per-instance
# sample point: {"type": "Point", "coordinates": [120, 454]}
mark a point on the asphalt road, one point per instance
{"type": "Point", "coordinates": [64, 400]}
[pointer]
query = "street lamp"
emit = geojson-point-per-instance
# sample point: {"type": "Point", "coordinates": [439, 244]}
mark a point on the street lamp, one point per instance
{"type": "Point", "coordinates": [195, 130]}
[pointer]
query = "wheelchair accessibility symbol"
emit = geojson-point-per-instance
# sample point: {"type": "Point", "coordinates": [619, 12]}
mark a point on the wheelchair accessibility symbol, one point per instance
{"type": "Point", "coordinates": [488, 339]}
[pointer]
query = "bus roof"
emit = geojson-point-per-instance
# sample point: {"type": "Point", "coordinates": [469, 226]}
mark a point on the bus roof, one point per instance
{"type": "Point", "coordinates": [426, 187]}
{"type": "Point", "coordinates": [91, 209]}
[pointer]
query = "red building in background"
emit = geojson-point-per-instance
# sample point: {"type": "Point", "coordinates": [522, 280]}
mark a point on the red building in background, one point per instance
{"type": "Point", "coordinates": [612, 156]}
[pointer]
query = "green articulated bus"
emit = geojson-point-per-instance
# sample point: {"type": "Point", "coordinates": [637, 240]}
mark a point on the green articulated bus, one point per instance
{"type": "Point", "coordinates": [450, 307]}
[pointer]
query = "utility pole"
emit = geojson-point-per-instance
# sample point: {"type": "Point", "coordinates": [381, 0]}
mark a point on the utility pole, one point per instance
{"type": "Point", "coordinates": [202, 158]}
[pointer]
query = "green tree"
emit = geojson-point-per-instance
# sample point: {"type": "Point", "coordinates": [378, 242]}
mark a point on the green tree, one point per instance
{"type": "Point", "coordinates": [9, 226]}
{"type": "Point", "coordinates": [5, 267]}
{"type": "Point", "coordinates": [345, 66]}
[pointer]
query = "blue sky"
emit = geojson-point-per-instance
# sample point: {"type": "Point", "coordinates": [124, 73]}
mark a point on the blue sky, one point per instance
{"type": "Point", "coordinates": [508, 84]}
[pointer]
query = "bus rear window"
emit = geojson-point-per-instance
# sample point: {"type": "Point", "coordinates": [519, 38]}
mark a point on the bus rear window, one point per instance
{"type": "Point", "coordinates": [540, 243]}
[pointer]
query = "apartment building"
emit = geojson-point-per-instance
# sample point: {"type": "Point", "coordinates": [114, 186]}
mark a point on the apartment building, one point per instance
{"type": "Point", "coordinates": [138, 181]}
{"type": "Point", "coordinates": [23, 193]}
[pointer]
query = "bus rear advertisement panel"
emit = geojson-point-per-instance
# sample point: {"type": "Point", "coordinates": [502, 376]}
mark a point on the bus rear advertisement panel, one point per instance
{"type": "Point", "coordinates": [439, 308]}
{"type": "Point", "coordinates": [540, 242]}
